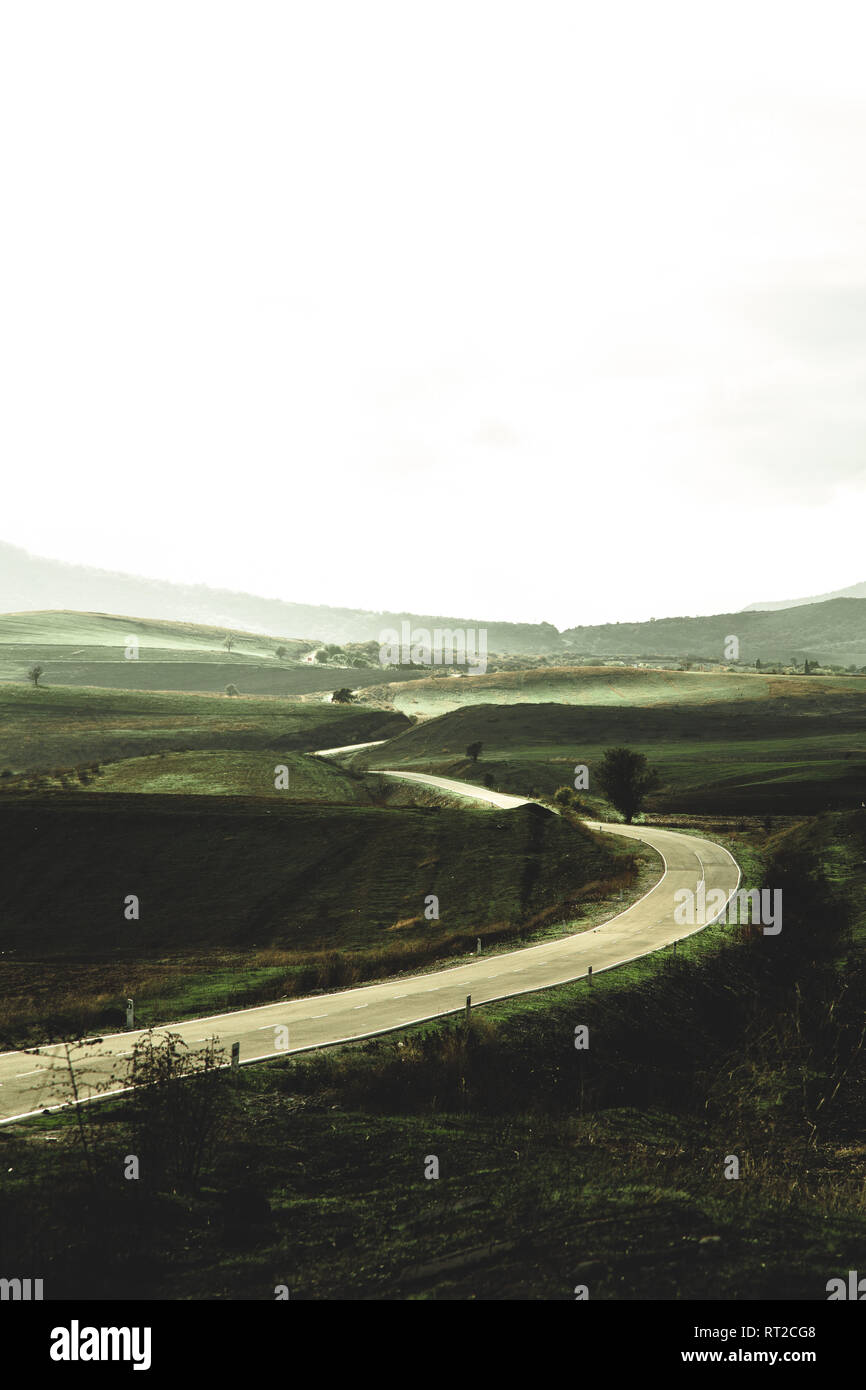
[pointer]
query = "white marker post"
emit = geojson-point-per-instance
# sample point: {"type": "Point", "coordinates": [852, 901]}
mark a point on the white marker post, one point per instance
{"type": "Point", "coordinates": [236, 1055]}
{"type": "Point", "coordinates": [130, 1013]}
{"type": "Point", "coordinates": [478, 947]}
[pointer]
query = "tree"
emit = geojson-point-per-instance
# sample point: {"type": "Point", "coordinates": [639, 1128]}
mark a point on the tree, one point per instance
{"type": "Point", "coordinates": [280, 652]}
{"type": "Point", "coordinates": [34, 673]}
{"type": "Point", "coordinates": [232, 690]}
{"type": "Point", "coordinates": [473, 751]}
{"type": "Point", "coordinates": [625, 778]}
{"type": "Point", "coordinates": [228, 643]}
{"type": "Point", "coordinates": [343, 696]}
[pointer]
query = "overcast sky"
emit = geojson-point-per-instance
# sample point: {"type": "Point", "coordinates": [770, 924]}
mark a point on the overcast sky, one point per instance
{"type": "Point", "coordinates": [528, 311]}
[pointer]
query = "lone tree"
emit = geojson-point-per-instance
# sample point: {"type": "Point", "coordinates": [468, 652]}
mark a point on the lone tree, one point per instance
{"type": "Point", "coordinates": [280, 652]}
{"type": "Point", "coordinates": [228, 643]}
{"type": "Point", "coordinates": [343, 696]}
{"type": "Point", "coordinates": [232, 690]}
{"type": "Point", "coordinates": [473, 751]}
{"type": "Point", "coordinates": [34, 673]}
{"type": "Point", "coordinates": [625, 778]}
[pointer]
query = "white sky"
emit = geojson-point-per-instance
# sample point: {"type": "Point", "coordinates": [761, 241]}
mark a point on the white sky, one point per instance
{"type": "Point", "coordinates": [528, 311]}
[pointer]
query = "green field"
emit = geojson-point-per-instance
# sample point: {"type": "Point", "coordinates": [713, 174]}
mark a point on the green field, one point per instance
{"type": "Point", "coordinates": [91, 649]}
{"type": "Point", "coordinates": [621, 687]}
{"type": "Point", "coordinates": [797, 748]}
{"type": "Point", "coordinates": [218, 772]}
{"type": "Point", "coordinates": [249, 898]}
{"type": "Point", "coordinates": [58, 727]}
{"type": "Point", "coordinates": [557, 1167]}
{"type": "Point", "coordinates": [107, 635]}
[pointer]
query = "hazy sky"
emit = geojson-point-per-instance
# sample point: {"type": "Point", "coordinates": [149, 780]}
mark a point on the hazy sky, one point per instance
{"type": "Point", "coordinates": [528, 311]}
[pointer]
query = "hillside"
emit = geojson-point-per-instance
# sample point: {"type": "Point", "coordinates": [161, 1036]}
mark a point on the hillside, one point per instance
{"type": "Point", "coordinates": [751, 745]}
{"type": "Point", "coordinates": [620, 686]}
{"type": "Point", "coordinates": [246, 898]}
{"type": "Point", "coordinates": [59, 727]}
{"type": "Point", "coordinates": [833, 633]}
{"type": "Point", "coordinates": [94, 649]}
{"type": "Point", "coordinates": [33, 582]}
{"type": "Point", "coordinates": [853, 591]}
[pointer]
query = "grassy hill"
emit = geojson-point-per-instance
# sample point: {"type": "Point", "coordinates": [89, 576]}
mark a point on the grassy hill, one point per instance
{"type": "Point", "coordinates": [34, 582]}
{"type": "Point", "coordinates": [222, 772]}
{"type": "Point", "coordinates": [785, 746]}
{"type": "Point", "coordinates": [57, 727]}
{"type": "Point", "coordinates": [243, 898]}
{"type": "Point", "coordinates": [604, 1167]}
{"type": "Point", "coordinates": [106, 635]}
{"type": "Point", "coordinates": [88, 649]}
{"type": "Point", "coordinates": [621, 687]}
{"type": "Point", "coordinates": [833, 632]}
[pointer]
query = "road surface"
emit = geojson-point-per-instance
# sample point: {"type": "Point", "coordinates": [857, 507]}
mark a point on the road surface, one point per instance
{"type": "Point", "coordinates": [36, 1080]}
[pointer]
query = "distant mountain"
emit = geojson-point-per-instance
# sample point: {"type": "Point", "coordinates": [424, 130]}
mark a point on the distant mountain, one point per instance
{"type": "Point", "coordinates": [30, 582]}
{"type": "Point", "coordinates": [855, 591]}
{"type": "Point", "coordinates": [833, 633]}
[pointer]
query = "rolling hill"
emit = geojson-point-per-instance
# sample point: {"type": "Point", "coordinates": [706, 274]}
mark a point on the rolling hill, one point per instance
{"type": "Point", "coordinates": [831, 632]}
{"type": "Point", "coordinates": [722, 744]}
{"type": "Point", "coordinates": [853, 591]}
{"type": "Point", "coordinates": [96, 649]}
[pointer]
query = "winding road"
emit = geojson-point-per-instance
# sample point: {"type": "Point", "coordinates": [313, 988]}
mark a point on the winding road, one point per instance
{"type": "Point", "coordinates": [38, 1080]}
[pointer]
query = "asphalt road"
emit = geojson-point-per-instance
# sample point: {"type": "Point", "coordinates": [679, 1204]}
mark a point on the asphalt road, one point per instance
{"type": "Point", "coordinates": [36, 1080]}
